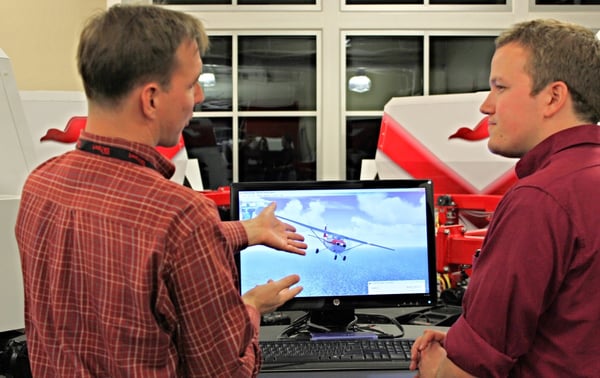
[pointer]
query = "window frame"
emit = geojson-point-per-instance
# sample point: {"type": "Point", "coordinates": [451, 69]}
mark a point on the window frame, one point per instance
{"type": "Point", "coordinates": [235, 114]}
{"type": "Point", "coordinates": [333, 18]}
{"type": "Point", "coordinates": [245, 7]}
{"type": "Point", "coordinates": [557, 8]}
{"type": "Point", "coordinates": [427, 7]}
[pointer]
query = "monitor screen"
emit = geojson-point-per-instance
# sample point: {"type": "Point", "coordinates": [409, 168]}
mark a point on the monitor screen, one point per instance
{"type": "Point", "coordinates": [371, 244]}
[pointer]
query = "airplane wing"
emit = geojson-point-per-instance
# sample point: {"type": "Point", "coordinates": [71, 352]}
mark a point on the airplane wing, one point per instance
{"type": "Point", "coordinates": [313, 228]}
{"type": "Point", "coordinates": [303, 224]}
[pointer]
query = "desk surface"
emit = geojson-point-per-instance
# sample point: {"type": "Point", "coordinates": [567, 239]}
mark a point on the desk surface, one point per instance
{"type": "Point", "coordinates": [410, 331]}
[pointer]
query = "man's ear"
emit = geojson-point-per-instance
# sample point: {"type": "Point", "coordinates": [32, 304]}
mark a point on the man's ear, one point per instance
{"type": "Point", "coordinates": [557, 95]}
{"type": "Point", "coordinates": [149, 99]}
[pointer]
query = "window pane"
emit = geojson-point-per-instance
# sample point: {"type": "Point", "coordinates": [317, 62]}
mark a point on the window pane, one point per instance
{"type": "Point", "coordinates": [371, 2]}
{"type": "Point", "coordinates": [276, 2]}
{"type": "Point", "coordinates": [362, 134]}
{"type": "Point", "coordinates": [209, 141]}
{"type": "Point", "coordinates": [567, 2]}
{"type": "Point", "coordinates": [277, 73]}
{"type": "Point", "coordinates": [379, 68]}
{"type": "Point", "coordinates": [467, 2]}
{"type": "Point", "coordinates": [277, 149]}
{"type": "Point", "coordinates": [239, 2]}
{"type": "Point", "coordinates": [460, 64]}
{"type": "Point", "coordinates": [201, 2]}
{"type": "Point", "coordinates": [218, 87]}
{"type": "Point", "coordinates": [433, 2]}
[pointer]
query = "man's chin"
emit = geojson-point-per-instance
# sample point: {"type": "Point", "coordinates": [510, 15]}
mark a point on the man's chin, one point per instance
{"type": "Point", "coordinates": [494, 148]}
{"type": "Point", "coordinates": [498, 150]}
{"type": "Point", "coordinates": [169, 143]}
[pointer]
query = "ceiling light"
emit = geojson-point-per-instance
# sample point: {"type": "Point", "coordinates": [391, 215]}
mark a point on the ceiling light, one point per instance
{"type": "Point", "coordinates": [359, 83]}
{"type": "Point", "coordinates": [207, 79]}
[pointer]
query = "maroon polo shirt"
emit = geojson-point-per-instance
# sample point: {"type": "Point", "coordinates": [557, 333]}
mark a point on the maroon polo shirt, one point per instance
{"type": "Point", "coordinates": [532, 307]}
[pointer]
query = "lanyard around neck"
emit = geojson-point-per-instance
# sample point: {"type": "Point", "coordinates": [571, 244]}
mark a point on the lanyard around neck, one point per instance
{"type": "Point", "coordinates": [112, 151]}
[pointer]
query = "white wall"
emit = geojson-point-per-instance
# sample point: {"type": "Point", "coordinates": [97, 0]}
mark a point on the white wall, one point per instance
{"type": "Point", "coordinates": [51, 109]}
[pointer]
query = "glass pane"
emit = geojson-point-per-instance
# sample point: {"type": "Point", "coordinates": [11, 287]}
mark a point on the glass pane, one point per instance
{"type": "Point", "coordinates": [216, 76]}
{"type": "Point", "coordinates": [201, 2]}
{"type": "Point", "coordinates": [460, 64]}
{"type": "Point", "coordinates": [362, 134]}
{"type": "Point", "coordinates": [239, 2]}
{"type": "Point", "coordinates": [381, 67]}
{"type": "Point", "coordinates": [276, 2]}
{"type": "Point", "coordinates": [277, 149]}
{"type": "Point", "coordinates": [467, 2]}
{"type": "Point", "coordinates": [209, 141]}
{"type": "Point", "coordinates": [433, 2]}
{"type": "Point", "coordinates": [371, 2]}
{"type": "Point", "coordinates": [277, 73]}
{"type": "Point", "coordinates": [567, 2]}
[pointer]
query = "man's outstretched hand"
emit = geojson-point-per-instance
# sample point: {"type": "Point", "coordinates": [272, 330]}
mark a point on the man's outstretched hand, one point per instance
{"type": "Point", "coordinates": [267, 229]}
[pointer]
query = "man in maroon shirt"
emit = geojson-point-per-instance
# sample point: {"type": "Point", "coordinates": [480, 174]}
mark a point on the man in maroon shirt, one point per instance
{"type": "Point", "coordinates": [532, 308]}
{"type": "Point", "coordinates": [126, 273]}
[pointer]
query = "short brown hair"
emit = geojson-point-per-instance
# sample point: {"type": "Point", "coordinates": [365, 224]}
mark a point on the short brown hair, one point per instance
{"type": "Point", "coordinates": [128, 45]}
{"type": "Point", "coordinates": [561, 51]}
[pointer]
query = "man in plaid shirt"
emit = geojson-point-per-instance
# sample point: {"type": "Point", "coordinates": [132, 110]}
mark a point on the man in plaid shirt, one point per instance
{"type": "Point", "coordinates": [126, 273]}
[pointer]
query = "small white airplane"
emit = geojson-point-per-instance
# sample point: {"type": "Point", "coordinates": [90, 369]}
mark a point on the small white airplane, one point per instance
{"type": "Point", "coordinates": [334, 242]}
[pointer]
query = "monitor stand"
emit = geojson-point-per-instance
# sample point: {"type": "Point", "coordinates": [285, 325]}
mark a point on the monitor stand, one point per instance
{"type": "Point", "coordinates": [338, 324]}
{"type": "Point", "coordinates": [330, 320]}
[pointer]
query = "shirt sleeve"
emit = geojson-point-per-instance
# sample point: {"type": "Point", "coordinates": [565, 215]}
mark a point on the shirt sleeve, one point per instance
{"type": "Point", "coordinates": [235, 235]}
{"type": "Point", "coordinates": [255, 318]}
{"type": "Point", "coordinates": [217, 333]}
{"type": "Point", "coordinates": [515, 278]}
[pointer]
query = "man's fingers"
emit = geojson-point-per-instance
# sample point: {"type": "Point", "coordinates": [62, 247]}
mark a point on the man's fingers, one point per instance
{"type": "Point", "coordinates": [298, 247]}
{"type": "Point", "coordinates": [296, 251]}
{"type": "Point", "coordinates": [285, 291]}
{"type": "Point", "coordinates": [294, 236]}
{"type": "Point", "coordinates": [289, 227]}
{"type": "Point", "coordinates": [291, 293]}
{"type": "Point", "coordinates": [288, 281]}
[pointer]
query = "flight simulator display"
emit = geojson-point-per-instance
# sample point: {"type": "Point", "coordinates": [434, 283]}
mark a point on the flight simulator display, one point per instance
{"type": "Point", "coordinates": [370, 243]}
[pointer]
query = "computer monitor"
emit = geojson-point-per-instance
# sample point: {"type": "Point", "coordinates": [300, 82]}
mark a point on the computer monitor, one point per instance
{"type": "Point", "coordinates": [371, 244]}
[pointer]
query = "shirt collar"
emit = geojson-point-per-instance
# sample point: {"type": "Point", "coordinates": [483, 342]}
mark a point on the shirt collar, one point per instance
{"type": "Point", "coordinates": [541, 154]}
{"type": "Point", "coordinates": [163, 165]}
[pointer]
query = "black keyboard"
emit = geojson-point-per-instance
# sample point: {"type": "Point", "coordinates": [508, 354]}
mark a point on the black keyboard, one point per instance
{"type": "Point", "coordinates": [358, 354]}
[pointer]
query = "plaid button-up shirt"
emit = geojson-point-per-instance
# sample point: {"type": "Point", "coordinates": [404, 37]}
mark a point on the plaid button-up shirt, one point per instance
{"type": "Point", "coordinates": [128, 274]}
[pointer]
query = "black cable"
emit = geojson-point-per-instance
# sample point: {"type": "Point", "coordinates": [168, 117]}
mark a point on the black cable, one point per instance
{"type": "Point", "coordinates": [302, 327]}
{"type": "Point", "coordinates": [382, 319]}
{"type": "Point", "coordinates": [298, 327]}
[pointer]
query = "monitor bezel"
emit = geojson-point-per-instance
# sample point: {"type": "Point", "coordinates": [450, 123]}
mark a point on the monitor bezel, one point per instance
{"type": "Point", "coordinates": [352, 302]}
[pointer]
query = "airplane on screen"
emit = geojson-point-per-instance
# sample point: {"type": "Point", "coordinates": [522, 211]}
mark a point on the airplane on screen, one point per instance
{"type": "Point", "coordinates": [334, 242]}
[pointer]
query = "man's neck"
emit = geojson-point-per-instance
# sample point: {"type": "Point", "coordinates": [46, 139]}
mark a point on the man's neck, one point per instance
{"type": "Point", "coordinates": [119, 123]}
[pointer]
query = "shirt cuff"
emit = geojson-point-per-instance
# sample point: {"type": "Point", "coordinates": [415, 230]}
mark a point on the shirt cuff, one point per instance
{"type": "Point", "coordinates": [254, 318]}
{"type": "Point", "coordinates": [235, 234]}
{"type": "Point", "coordinates": [473, 354]}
